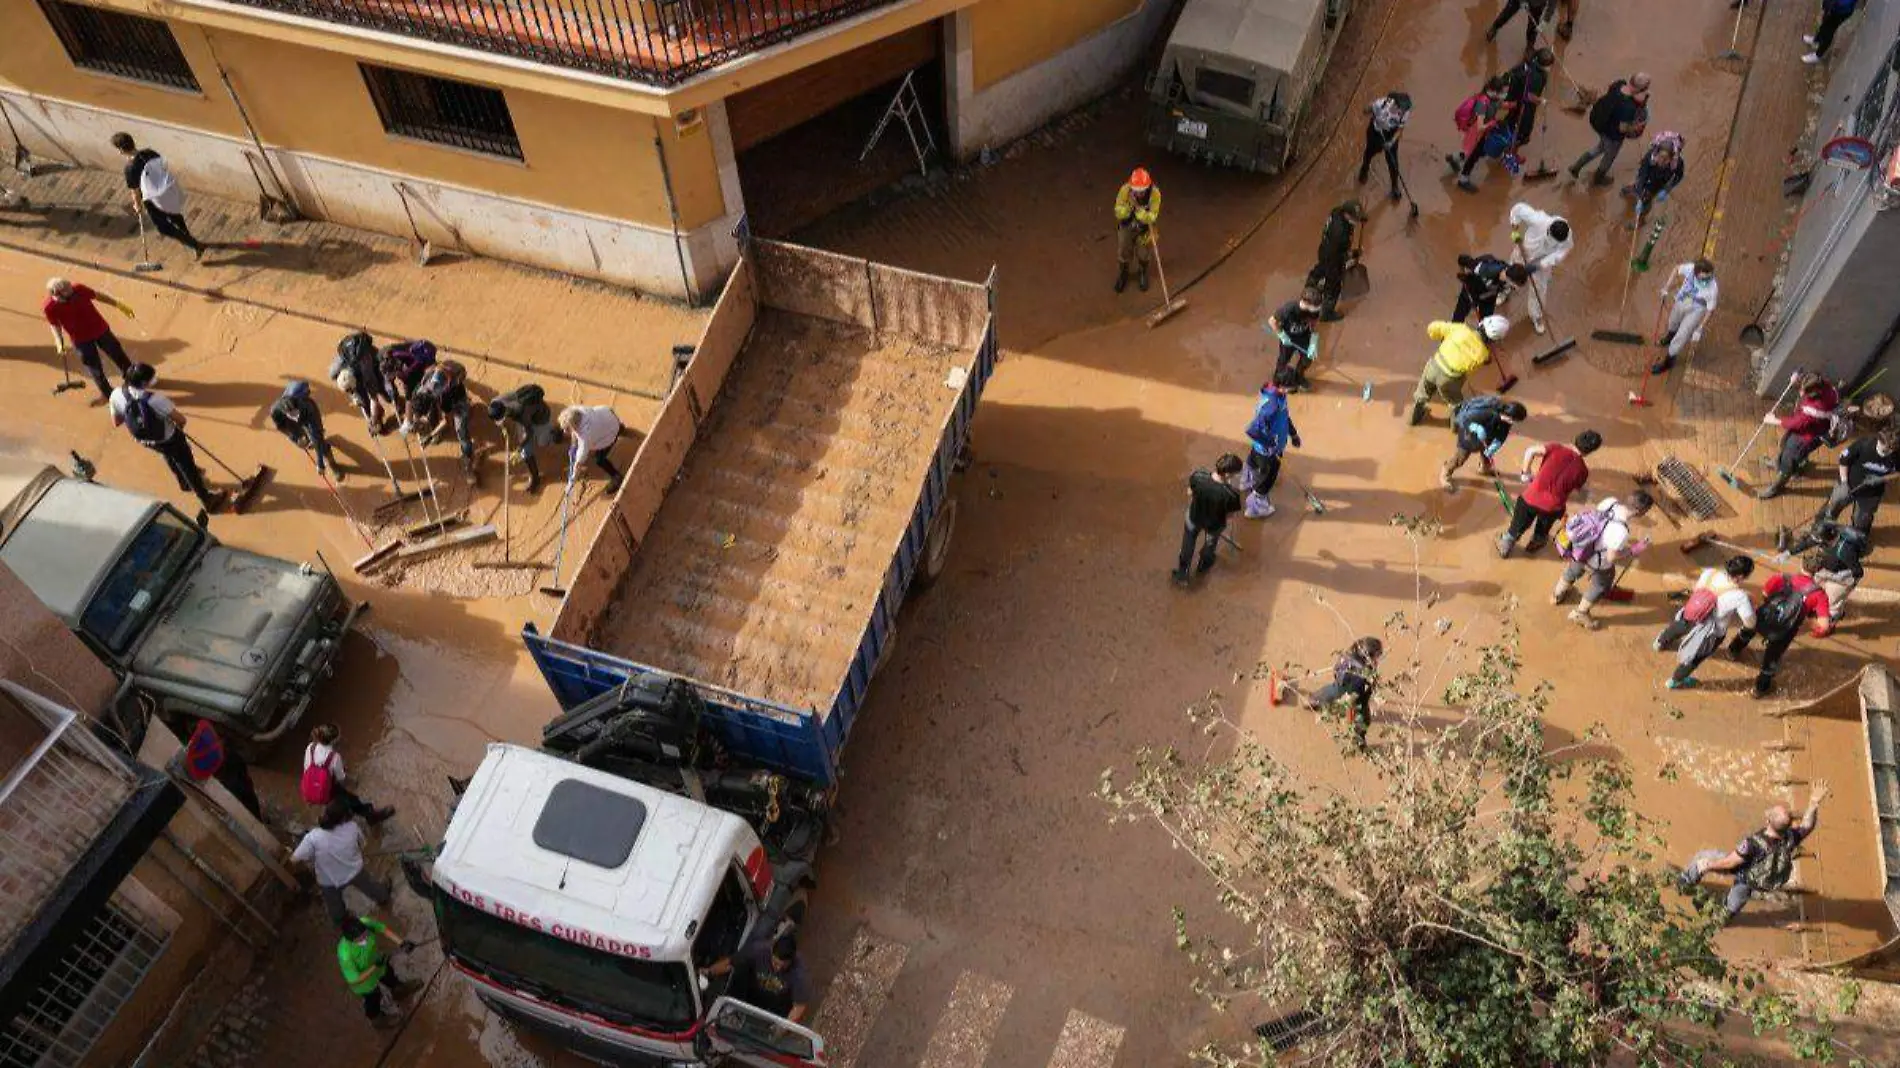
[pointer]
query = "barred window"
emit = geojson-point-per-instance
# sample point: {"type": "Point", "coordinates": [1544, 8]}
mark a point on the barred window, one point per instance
{"type": "Point", "coordinates": [113, 42]}
{"type": "Point", "coordinates": [472, 117]}
{"type": "Point", "coordinates": [77, 1000]}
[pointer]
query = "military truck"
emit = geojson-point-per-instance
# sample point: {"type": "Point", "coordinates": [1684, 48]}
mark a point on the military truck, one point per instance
{"type": "Point", "coordinates": [1237, 76]}
{"type": "Point", "coordinates": [198, 628]}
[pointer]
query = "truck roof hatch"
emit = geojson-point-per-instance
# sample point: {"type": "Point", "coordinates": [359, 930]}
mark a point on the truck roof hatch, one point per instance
{"type": "Point", "coordinates": [583, 821]}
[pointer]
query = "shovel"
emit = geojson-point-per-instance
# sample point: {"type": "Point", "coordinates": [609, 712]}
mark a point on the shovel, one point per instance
{"type": "Point", "coordinates": [1355, 283]}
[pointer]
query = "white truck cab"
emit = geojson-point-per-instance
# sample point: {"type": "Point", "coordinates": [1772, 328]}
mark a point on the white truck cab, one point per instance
{"type": "Point", "coordinates": [584, 904]}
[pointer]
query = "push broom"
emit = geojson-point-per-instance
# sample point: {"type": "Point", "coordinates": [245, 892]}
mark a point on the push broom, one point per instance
{"type": "Point", "coordinates": [1727, 474]}
{"type": "Point", "coordinates": [1543, 312]}
{"type": "Point", "coordinates": [247, 487]}
{"type": "Point", "coordinates": [1170, 306]}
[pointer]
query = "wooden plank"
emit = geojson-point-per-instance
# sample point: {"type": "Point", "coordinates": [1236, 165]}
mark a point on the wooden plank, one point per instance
{"type": "Point", "coordinates": [471, 536]}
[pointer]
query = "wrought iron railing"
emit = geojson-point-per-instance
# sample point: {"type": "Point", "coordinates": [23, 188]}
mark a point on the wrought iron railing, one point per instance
{"type": "Point", "coordinates": [657, 42]}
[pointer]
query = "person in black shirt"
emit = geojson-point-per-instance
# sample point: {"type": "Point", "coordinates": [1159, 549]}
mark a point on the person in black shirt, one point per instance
{"type": "Point", "coordinates": [439, 402]}
{"type": "Point", "coordinates": [768, 975]}
{"type": "Point", "coordinates": [1620, 113]}
{"type": "Point", "coordinates": [1535, 12]}
{"type": "Point", "coordinates": [1763, 860]}
{"type": "Point", "coordinates": [527, 408]}
{"type": "Point", "coordinates": [1338, 249]}
{"type": "Point", "coordinates": [1483, 282]}
{"type": "Point", "coordinates": [1865, 467]}
{"type": "Point", "coordinates": [1354, 678]}
{"type": "Point", "coordinates": [154, 189]}
{"type": "Point", "coordinates": [296, 416]}
{"type": "Point", "coordinates": [1292, 325]}
{"type": "Point", "coordinates": [1524, 90]}
{"type": "Point", "coordinates": [1212, 500]}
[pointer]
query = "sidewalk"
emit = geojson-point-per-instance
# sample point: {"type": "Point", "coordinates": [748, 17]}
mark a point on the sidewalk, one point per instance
{"type": "Point", "coordinates": [529, 320]}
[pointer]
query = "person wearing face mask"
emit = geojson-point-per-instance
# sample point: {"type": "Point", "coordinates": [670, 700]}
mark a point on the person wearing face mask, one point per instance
{"type": "Point", "coordinates": [1213, 498]}
{"type": "Point", "coordinates": [1865, 468]}
{"type": "Point", "coordinates": [1657, 175]}
{"type": "Point", "coordinates": [1293, 325]}
{"type": "Point", "coordinates": [1690, 307]}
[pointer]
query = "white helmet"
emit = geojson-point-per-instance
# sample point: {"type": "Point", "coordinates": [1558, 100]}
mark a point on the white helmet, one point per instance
{"type": "Point", "coordinates": [1495, 327]}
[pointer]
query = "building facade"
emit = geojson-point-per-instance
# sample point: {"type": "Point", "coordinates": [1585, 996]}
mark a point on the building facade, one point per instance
{"type": "Point", "coordinates": [118, 883]}
{"type": "Point", "coordinates": [1838, 309]}
{"type": "Point", "coordinates": [613, 139]}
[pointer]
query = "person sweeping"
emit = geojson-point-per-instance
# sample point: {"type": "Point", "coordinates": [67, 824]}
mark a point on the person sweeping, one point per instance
{"type": "Point", "coordinates": [296, 416]}
{"type": "Point", "coordinates": [1689, 309]}
{"type": "Point", "coordinates": [1338, 250]}
{"type": "Point", "coordinates": [1461, 351]}
{"type": "Point", "coordinates": [1385, 125]}
{"type": "Point", "coordinates": [1213, 498]}
{"type": "Point", "coordinates": [1270, 431]}
{"type": "Point", "coordinates": [1292, 325]}
{"type": "Point", "coordinates": [1539, 241]}
{"type": "Point", "coordinates": [1657, 175]}
{"type": "Point", "coordinates": [1815, 419]}
{"type": "Point", "coordinates": [526, 410]}
{"type": "Point", "coordinates": [1355, 677]}
{"type": "Point", "coordinates": [1137, 209]}
{"type": "Point", "coordinates": [1480, 426]}
{"type": "Point", "coordinates": [358, 372]}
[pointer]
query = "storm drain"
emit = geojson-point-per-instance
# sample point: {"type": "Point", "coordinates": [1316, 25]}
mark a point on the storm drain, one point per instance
{"type": "Point", "coordinates": [1690, 488]}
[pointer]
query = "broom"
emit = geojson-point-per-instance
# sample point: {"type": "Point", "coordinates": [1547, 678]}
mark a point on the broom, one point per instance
{"type": "Point", "coordinates": [146, 264]}
{"type": "Point", "coordinates": [1543, 313]}
{"type": "Point", "coordinates": [247, 487]}
{"type": "Point", "coordinates": [1727, 474]}
{"type": "Point", "coordinates": [1638, 263]}
{"type": "Point", "coordinates": [1170, 307]}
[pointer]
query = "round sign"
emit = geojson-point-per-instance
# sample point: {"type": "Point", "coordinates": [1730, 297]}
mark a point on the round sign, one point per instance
{"type": "Point", "coordinates": [1854, 153]}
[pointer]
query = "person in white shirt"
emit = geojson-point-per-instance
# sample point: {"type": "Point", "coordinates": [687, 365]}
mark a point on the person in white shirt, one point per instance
{"type": "Point", "coordinates": [1689, 310]}
{"type": "Point", "coordinates": [322, 752]}
{"type": "Point", "coordinates": [334, 849]}
{"type": "Point", "coordinates": [1541, 241]}
{"type": "Point", "coordinates": [1598, 558]}
{"type": "Point", "coordinates": [156, 423]}
{"type": "Point", "coordinates": [157, 192]}
{"type": "Point", "coordinates": [1700, 626]}
{"type": "Point", "coordinates": [591, 432]}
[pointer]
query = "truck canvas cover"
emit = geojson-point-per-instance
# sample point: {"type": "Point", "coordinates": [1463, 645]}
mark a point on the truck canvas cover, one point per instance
{"type": "Point", "coordinates": [62, 561]}
{"type": "Point", "coordinates": [1247, 57]}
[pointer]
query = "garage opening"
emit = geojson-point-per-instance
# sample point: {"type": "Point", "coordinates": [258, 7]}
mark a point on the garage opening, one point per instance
{"type": "Point", "coordinates": [798, 138]}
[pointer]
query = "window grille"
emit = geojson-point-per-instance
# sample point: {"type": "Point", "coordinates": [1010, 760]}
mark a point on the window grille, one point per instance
{"type": "Point", "coordinates": [113, 42]}
{"type": "Point", "coordinates": [78, 999]}
{"type": "Point", "coordinates": [472, 117]}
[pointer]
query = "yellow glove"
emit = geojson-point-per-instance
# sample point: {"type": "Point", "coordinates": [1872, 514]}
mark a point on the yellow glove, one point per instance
{"type": "Point", "coordinates": [1516, 236]}
{"type": "Point", "coordinates": [126, 310]}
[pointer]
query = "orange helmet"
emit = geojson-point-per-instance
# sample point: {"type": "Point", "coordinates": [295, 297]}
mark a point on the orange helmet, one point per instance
{"type": "Point", "coordinates": [1140, 180]}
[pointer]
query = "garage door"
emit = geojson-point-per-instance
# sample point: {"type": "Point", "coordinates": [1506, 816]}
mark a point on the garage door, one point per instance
{"type": "Point", "coordinates": [771, 109]}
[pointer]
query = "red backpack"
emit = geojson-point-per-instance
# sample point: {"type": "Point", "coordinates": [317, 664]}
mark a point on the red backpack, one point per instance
{"type": "Point", "coordinates": [1700, 606]}
{"type": "Point", "coordinates": [317, 784]}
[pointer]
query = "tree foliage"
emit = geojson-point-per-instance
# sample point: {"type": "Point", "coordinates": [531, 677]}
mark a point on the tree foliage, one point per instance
{"type": "Point", "coordinates": [1460, 895]}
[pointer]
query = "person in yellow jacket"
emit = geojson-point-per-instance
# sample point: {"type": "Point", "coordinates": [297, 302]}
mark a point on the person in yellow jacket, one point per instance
{"type": "Point", "coordinates": [1137, 207]}
{"type": "Point", "coordinates": [366, 968]}
{"type": "Point", "coordinates": [1461, 350]}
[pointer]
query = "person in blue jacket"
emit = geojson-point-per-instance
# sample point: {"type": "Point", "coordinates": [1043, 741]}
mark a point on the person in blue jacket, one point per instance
{"type": "Point", "coordinates": [1659, 173]}
{"type": "Point", "coordinates": [1270, 431]}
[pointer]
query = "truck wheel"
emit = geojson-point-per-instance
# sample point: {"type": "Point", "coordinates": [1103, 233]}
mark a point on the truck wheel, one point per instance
{"type": "Point", "coordinates": [937, 543]}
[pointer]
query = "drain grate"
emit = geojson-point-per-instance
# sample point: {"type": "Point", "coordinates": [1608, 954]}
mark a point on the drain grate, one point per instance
{"type": "Point", "coordinates": [1694, 491]}
{"type": "Point", "coordinates": [1291, 1030]}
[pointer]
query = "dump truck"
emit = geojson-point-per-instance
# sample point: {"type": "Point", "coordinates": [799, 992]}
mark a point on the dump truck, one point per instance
{"type": "Point", "coordinates": [196, 628]}
{"type": "Point", "coordinates": [710, 657]}
{"type": "Point", "coordinates": [1237, 76]}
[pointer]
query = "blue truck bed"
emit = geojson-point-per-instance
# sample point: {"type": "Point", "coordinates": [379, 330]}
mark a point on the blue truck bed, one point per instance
{"type": "Point", "coordinates": [792, 488]}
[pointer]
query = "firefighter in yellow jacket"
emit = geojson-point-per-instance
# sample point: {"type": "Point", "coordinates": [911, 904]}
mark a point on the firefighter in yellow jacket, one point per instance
{"type": "Point", "coordinates": [1137, 207]}
{"type": "Point", "coordinates": [1461, 350]}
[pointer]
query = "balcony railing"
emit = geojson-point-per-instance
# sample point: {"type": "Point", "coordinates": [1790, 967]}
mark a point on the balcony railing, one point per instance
{"type": "Point", "coordinates": [655, 42]}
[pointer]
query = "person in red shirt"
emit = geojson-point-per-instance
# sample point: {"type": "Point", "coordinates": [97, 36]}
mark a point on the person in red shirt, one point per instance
{"type": "Point", "coordinates": [1803, 430]}
{"type": "Point", "coordinates": [73, 312]}
{"type": "Point", "coordinates": [1787, 602]}
{"type": "Point", "coordinates": [1561, 472]}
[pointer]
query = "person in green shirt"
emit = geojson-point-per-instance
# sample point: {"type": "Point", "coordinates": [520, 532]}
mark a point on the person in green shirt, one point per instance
{"type": "Point", "coordinates": [367, 969]}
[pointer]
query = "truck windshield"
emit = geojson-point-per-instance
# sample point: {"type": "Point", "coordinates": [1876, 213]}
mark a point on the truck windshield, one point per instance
{"type": "Point", "coordinates": [137, 584]}
{"type": "Point", "coordinates": [636, 993]}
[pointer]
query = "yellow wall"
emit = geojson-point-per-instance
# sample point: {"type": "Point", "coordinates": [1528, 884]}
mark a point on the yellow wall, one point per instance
{"type": "Point", "coordinates": [1011, 35]}
{"type": "Point", "coordinates": [580, 156]}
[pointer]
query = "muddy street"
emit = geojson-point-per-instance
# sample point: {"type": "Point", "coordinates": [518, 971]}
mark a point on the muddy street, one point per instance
{"type": "Point", "coordinates": [977, 906]}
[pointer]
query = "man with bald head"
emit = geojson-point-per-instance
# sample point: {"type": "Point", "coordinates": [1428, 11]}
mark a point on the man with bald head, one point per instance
{"type": "Point", "coordinates": [1763, 860]}
{"type": "Point", "coordinates": [1622, 112]}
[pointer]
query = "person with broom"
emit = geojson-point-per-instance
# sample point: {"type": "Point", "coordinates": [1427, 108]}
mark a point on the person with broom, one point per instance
{"type": "Point", "coordinates": [1270, 431]}
{"type": "Point", "coordinates": [1657, 175]}
{"type": "Point", "coordinates": [1292, 325]}
{"type": "Point", "coordinates": [359, 374]}
{"type": "Point", "coordinates": [156, 423]}
{"type": "Point", "coordinates": [1561, 473]}
{"type": "Point", "coordinates": [592, 431]}
{"type": "Point", "coordinates": [1461, 350]}
{"type": "Point", "coordinates": [1540, 241]}
{"type": "Point", "coordinates": [438, 402]}
{"type": "Point", "coordinates": [1535, 14]}
{"type": "Point", "coordinates": [1480, 426]}
{"type": "Point", "coordinates": [1803, 430]}
{"type": "Point", "coordinates": [527, 408]}
{"type": "Point", "coordinates": [1137, 209]}
{"type": "Point", "coordinates": [1702, 623]}
{"type": "Point", "coordinates": [1524, 87]}
{"type": "Point", "coordinates": [1622, 112]}
{"type": "Point", "coordinates": [1865, 466]}
{"type": "Point", "coordinates": [1484, 282]}
{"type": "Point", "coordinates": [1385, 124]}
{"type": "Point", "coordinates": [1787, 602]}
{"type": "Point", "coordinates": [73, 313]}
{"type": "Point", "coordinates": [1213, 498]}
{"type": "Point", "coordinates": [1484, 121]}
{"type": "Point", "coordinates": [1338, 251]}
{"type": "Point", "coordinates": [1355, 677]}
{"type": "Point", "coordinates": [296, 416]}
{"type": "Point", "coordinates": [402, 366]}
{"type": "Point", "coordinates": [1593, 544]}
{"type": "Point", "coordinates": [1690, 307]}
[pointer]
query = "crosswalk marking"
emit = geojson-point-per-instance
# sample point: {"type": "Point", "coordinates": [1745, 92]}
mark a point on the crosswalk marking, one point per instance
{"type": "Point", "coordinates": [963, 1035]}
{"type": "Point", "coordinates": [857, 994]}
{"type": "Point", "coordinates": [1086, 1042]}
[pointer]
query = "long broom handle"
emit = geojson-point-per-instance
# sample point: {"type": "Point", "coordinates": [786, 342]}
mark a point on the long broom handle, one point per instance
{"type": "Point", "coordinates": [335, 493]}
{"type": "Point", "coordinates": [377, 444]}
{"type": "Point", "coordinates": [1154, 242]}
{"type": "Point", "coordinates": [507, 476]}
{"type": "Point", "coordinates": [199, 445]}
{"type": "Point", "coordinates": [1759, 427]}
{"type": "Point", "coordinates": [567, 495]}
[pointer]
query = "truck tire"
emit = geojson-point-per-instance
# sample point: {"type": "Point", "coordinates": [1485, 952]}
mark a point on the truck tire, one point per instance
{"type": "Point", "coordinates": [937, 544]}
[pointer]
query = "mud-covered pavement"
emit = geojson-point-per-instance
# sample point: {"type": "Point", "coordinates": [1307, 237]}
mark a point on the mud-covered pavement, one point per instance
{"type": "Point", "coordinates": [978, 909]}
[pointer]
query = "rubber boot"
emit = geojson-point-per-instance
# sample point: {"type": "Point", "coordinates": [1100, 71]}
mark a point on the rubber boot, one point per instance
{"type": "Point", "coordinates": [1121, 277]}
{"type": "Point", "coordinates": [1418, 414]}
{"type": "Point", "coordinates": [1444, 478]}
{"type": "Point", "coordinates": [1662, 366]}
{"type": "Point", "coordinates": [468, 470]}
{"type": "Point", "coordinates": [1506, 544]}
{"type": "Point", "coordinates": [1141, 276]}
{"type": "Point", "coordinates": [1773, 489]}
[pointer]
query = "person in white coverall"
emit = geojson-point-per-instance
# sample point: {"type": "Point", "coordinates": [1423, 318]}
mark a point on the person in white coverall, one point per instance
{"type": "Point", "coordinates": [1541, 241]}
{"type": "Point", "coordinates": [1689, 310]}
